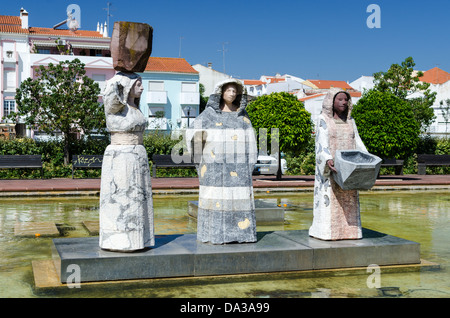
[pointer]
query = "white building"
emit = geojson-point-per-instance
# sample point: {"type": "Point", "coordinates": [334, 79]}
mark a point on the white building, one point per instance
{"type": "Point", "coordinates": [24, 48]}
{"type": "Point", "coordinates": [440, 83]}
{"type": "Point", "coordinates": [363, 83]}
{"type": "Point", "coordinates": [274, 84]}
{"type": "Point", "coordinates": [209, 77]}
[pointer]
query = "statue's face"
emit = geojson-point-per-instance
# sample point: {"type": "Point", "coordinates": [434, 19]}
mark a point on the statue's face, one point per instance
{"type": "Point", "coordinates": [229, 93]}
{"type": "Point", "coordinates": [340, 103]}
{"type": "Point", "coordinates": [137, 89]}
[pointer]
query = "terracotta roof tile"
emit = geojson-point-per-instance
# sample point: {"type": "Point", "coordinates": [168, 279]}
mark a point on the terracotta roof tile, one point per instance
{"type": "Point", "coordinates": [435, 76]}
{"type": "Point", "coordinates": [310, 97]}
{"type": "Point", "coordinates": [253, 82]}
{"type": "Point", "coordinates": [70, 33]}
{"type": "Point", "coordinates": [7, 19]}
{"type": "Point", "coordinates": [8, 28]}
{"type": "Point", "coordinates": [355, 94]}
{"type": "Point", "coordinates": [13, 24]}
{"type": "Point", "coordinates": [169, 64]}
{"type": "Point", "coordinates": [324, 84]}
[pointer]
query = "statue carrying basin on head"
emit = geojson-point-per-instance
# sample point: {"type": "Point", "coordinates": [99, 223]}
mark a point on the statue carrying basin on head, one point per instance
{"type": "Point", "coordinates": [126, 207]}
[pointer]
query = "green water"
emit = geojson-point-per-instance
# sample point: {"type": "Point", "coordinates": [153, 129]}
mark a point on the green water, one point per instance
{"type": "Point", "coordinates": [420, 216]}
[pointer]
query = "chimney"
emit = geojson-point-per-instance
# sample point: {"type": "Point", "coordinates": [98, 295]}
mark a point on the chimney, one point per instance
{"type": "Point", "coordinates": [24, 18]}
{"type": "Point", "coordinates": [210, 65]}
{"type": "Point", "coordinates": [105, 31]}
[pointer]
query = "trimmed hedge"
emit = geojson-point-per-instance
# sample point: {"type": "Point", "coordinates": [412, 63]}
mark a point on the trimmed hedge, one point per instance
{"type": "Point", "coordinates": [160, 143]}
{"type": "Point", "coordinates": [53, 156]}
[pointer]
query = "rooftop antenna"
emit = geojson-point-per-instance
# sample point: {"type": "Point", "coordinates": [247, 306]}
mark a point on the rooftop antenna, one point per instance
{"type": "Point", "coordinates": [73, 18]}
{"type": "Point", "coordinates": [179, 52]}
{"type": "Point", "coordinates": [108, 8]}
{"type": "Point", "coordinates": [223, 50]}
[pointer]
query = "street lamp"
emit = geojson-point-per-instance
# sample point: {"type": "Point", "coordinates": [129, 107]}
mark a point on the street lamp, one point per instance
{"type": "Point", "coordinates": [189, 114]}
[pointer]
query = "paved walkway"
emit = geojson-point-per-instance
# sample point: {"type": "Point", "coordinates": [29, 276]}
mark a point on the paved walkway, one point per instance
{"type": "Point", "coordinates": [260, 183]}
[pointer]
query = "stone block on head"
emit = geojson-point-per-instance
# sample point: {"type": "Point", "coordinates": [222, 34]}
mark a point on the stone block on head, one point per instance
{"type": "Point", "coordinates": [131, 46]}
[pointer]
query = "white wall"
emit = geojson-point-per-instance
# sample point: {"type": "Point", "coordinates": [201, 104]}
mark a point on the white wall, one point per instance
{"type": "Point", "coordinates": [209, 78]}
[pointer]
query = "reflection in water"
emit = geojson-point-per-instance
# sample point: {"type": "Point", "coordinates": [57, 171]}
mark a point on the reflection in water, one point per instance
{"type": "Point", "coordinates": [422, 217]}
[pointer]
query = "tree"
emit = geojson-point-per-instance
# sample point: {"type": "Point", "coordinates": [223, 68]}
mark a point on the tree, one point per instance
{"type": "Point", "coordinates": [61, 98]}
{"type": "Point", "coordinates": [203, 99]}
{"type": "Point", "coordinates": [285, 112]}
{"type": "Point", "coordinates": [402, 81]}
{"type": "Point", "coordinates": [386, 124]}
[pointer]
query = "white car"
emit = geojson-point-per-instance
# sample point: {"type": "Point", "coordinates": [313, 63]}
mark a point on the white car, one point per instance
{"type": "Point", "coordinates": [269, 165]}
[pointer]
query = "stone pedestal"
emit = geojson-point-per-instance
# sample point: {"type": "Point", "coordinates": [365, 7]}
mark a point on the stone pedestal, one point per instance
{"type": "Point", "coordinates": [184, 256]}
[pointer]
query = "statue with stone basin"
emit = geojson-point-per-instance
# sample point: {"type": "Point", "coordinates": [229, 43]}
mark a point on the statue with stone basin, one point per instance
{"type": "Point", "coordinates": [343, 166]}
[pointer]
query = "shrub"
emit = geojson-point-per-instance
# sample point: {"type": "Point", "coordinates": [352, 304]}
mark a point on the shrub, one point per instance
{"type": "Point", "coordinates": [386, 125]}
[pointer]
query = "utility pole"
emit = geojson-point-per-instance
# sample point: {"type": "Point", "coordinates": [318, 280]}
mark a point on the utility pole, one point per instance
{"type": "Point", "coordinates": [223, 50]}
{"type": "Point", "coordinates": [179, 52]}
{"type": "Point", "coordinates": [108, 5]}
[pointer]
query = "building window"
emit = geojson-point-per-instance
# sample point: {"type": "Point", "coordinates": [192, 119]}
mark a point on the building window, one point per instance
{"type": "Point", "coordinates": [100, 79]}
{"type": "Point", "coordinates": [95, 52]}
{"type": "Point", "coordinates": [9, 106]}
{"type": "Point", "coordinates": [156, 112]}
{"type": "Point", "coordinates": [188, 87]}
{"type": "Point", "coordinates": [43, 51]}
{"type": "Point", "coordinates": [156, 86]}
{"type": "Point", "coordinates": [9, 80]}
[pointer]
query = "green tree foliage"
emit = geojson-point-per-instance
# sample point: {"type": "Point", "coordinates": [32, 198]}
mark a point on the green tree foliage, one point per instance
{"type": "Point", "coordinates": [285, 112]}
{"type": "Point", "coordinates": [402, 81]}
{"type": "Point", "coordinates": [61, 98]}
{"type": "Point", "coordinates": [386, 124]}
{"type": "Point", "coordinates": [203, 99]}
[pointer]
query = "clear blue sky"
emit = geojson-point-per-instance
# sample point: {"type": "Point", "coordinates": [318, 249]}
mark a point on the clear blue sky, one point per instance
{"type": "Point", "coordinates": [312, 39]}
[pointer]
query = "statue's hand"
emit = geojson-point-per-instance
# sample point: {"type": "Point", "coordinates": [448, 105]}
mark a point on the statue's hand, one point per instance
{"type": "Point", "coordinates": [330, 164]}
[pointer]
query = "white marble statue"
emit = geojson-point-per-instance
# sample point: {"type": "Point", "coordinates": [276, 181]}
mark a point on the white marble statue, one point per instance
{"type": "Point", "coordinates": [126, 207]}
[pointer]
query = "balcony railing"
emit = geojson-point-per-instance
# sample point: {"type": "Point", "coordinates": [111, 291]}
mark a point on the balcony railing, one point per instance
{"type": "Point", "coordinates": [157, 97]}
{"type": "Point", "coordinates": [157, 123]}
{"type": "Point", "coordinates": [189, 98]}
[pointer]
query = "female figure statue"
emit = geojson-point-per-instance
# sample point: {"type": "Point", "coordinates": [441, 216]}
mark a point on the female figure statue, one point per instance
{"type": "Point", "coordinates": [336, 211]}
{"type": "Point", "coordinates": [223, 143]}
{"type": "Point", "coordinates": [126, 207]}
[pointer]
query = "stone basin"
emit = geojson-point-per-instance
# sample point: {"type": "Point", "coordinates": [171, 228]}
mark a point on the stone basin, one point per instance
{"type": "Point", "coordinates": [357, 170]}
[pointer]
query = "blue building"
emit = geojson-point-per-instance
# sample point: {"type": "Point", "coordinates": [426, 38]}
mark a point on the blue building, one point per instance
{"type": "Point", "coordinates": [171, 96]}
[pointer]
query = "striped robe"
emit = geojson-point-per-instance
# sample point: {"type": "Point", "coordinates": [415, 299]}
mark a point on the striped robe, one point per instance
{"type": "Point", "coordinates": [225, 152]}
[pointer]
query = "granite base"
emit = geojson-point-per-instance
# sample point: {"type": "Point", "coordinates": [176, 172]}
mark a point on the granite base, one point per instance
{"type": "Point", "coordinates": [184, 256]}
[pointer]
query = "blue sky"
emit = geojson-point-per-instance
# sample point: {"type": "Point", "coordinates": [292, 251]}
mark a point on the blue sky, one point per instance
{"type": "Point", "coordinates": [314, 39]}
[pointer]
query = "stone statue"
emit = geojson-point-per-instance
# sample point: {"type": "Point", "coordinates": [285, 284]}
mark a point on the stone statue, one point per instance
{"type": "Point", "coordinates": [223, 143]}
{"type": "Point", "coordinates": [336, 211]}
{"type": "Point", "coordinates": [126, 207]}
